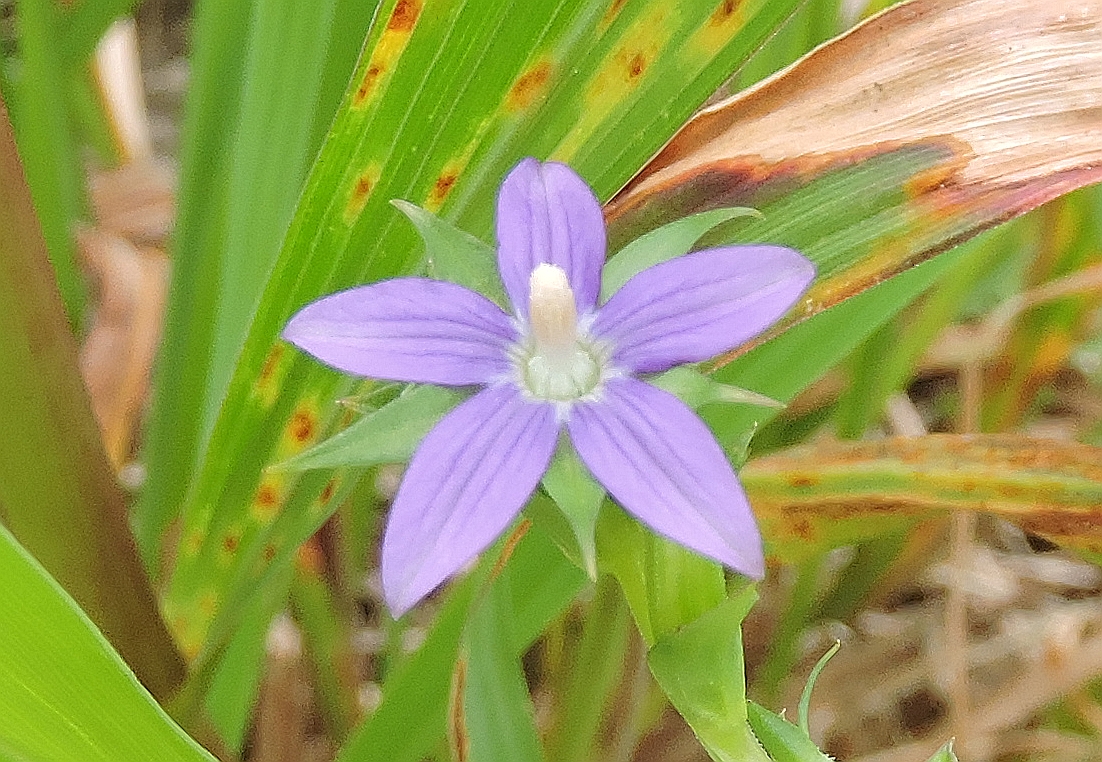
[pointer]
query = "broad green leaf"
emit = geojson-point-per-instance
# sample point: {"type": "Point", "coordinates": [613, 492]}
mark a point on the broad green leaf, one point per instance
{"type": "Point", "coordinates": [448, 95]}
{"type": "Point", "coordinates": [700, 669]}
{"type": "Point", "coordinates": [783, 741]}
{"type": "Point", "coordinates": [671, 240]}
{"type": "Point", "coordinates": [65, 695]}
{"type": "Point", "coordinates": [835, 493]}
{"type": "Point", "coordinates": [388, 435]}
{"type": "Point", "coordinates": [58, 494]}
{"type": "Point", "coordinates": [261, 97]}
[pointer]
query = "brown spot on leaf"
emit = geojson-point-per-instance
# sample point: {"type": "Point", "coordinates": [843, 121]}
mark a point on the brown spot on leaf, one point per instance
{"type": "Point", "coordinates": [367, 84]}
{"type": "Point", "coordinates": [724, 12]}
{"type": "Point", "coordinates": [530, 85]}
{"type": "Point", "coordinates": [327, 491]}
{"type": "Point", "coordinates": [440, 189]}
{"type": "Point", "coordinates": [405, 16]}
{"type": "Point", "coordinates": [636, 65]}
{"type": "Point", "coordinates": [270, 363]}
{"type": "Point", "coordinates": [303, 426]}
{"type": "Point", "coordinates": [266, 502]}
{"type": "Point", "coordinates": [269, 553]}
{"type": "Point", "coordinates": [230, 542]}
{"type": "Point", "coordinates": [802, 481]}
{"type": "Point", "coordinates": [612, 13]}
{"type": "Point", "coordinates": [360, 193]}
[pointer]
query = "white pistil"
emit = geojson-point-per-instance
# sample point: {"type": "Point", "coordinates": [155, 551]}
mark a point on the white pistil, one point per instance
{"type": "Point", "coordinates": [552, 312]}
{"type": "Point", "coordinates": [557, 364]}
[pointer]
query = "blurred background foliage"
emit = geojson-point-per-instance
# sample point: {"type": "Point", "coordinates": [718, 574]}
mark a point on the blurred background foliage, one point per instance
{"type": "Point", "coordinates": [213, 167]}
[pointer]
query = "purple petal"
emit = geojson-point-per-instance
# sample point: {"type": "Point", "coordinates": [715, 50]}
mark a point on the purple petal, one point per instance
{"type": "Point", "coordinates": [662, 465]}
{"type": "Point", "coordinates": [696, 306]}
{"type": "Point", "coordinates": [408, 329]}
{"type": "Point", "coordinates": [466, 483]}
{"type": "Point", "coordinates": [546, 213]}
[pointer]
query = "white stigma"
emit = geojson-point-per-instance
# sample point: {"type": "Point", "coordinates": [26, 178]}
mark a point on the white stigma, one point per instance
{"type": "Point", "coordinates": [556, 362]}
{"type": "Point", "coordinates": [552, 312]}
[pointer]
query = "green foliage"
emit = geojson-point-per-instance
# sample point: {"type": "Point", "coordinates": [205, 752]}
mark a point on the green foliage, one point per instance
{"type": "Point", "coordinates": [64, 693]}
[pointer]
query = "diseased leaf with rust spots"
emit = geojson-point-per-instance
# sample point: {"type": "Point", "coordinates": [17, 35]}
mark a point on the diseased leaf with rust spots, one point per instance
{"type": "Point", "coordinates": [837, 493]}
{"type": "Point", "coordinates": [1010, 89]}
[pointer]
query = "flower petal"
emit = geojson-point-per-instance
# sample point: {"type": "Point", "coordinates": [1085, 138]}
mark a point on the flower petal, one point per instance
{"type": "Point", "coordinates": [662, 465]}
{"type": "Point", "coordinates": [466, 483]}
{"type": "Point", "coordinates": [696, 306]}
{"type": "Point", "coordinates": [408, 329]}
{"type": "Point", "coordinates": [546, 213]}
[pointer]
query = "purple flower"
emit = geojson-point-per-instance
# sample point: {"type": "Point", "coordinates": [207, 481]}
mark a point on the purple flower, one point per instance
{"type": "Point", "coordinates": [559, 362]}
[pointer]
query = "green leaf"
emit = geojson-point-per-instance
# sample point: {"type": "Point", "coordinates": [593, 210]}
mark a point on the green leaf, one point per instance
{"type": "Point", "coordinates": [388, 435]}
{"type": "Point", "coordinates": [783, 741]}
{"type": "Point", "coordinates": [700, 669]}
{"type": "Point", "coordinates": [455, 255]}
{"type": "Point", "coordinates": [64, 693]}
{"type": "Point", "coordinates": [665, 243]}
{"type": "Point", "coordinates": [499, 725]}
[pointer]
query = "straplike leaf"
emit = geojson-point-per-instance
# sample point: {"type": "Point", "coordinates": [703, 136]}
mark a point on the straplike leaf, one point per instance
{"type": "Point", "coordinates": [836, 493]}
{"type": "Point", "coordinates": [932, 73]}
{"type": "Point", "coordinates": [65, 695]}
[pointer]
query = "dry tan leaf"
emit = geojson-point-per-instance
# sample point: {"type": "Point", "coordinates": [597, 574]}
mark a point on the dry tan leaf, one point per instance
{"type": "Point", "coordinates": [1017, 81]}
{"type": "Point", "coordinates": [1007, 92]}
{"type": "Point", "coordinates": [118, 352]}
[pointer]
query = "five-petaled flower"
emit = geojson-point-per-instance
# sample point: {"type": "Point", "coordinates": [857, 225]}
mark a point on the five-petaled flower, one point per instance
{"type": "Point", "coordinates": [560, 361]}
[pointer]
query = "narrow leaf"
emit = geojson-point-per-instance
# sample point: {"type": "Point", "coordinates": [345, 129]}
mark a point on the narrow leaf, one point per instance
{"type": "Point", "coordinates": [836, 493]}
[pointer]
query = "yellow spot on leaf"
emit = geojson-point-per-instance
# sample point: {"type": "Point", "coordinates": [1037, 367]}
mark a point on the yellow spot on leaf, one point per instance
{"type": "Point", "coordinates": [621, 73]}
{"type": "Point", "coordinates": [387, 51]}
{"type": "Point", "coordinates": [268, 499]}
{"type": "Point", "coordinates": [530, 86]}
{"type": "Point", "coordinates": [360, 192]}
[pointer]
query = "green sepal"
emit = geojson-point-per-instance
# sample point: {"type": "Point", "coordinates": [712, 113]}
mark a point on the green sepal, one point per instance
{"type": "Point", "coordinates": [579, 497]}
{"type": "Point", "coordinates": [672, 240]}
{"type": "Point", "coordinates": [696, 389]}
{"type": "Point", "coordinates": [388, 435]}
{"type": "Point", "coordinates": [456, 255]}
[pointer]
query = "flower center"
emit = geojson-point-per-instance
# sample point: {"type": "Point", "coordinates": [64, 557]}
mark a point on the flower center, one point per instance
{"type": "Point", "coordinates": [557, 362]}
